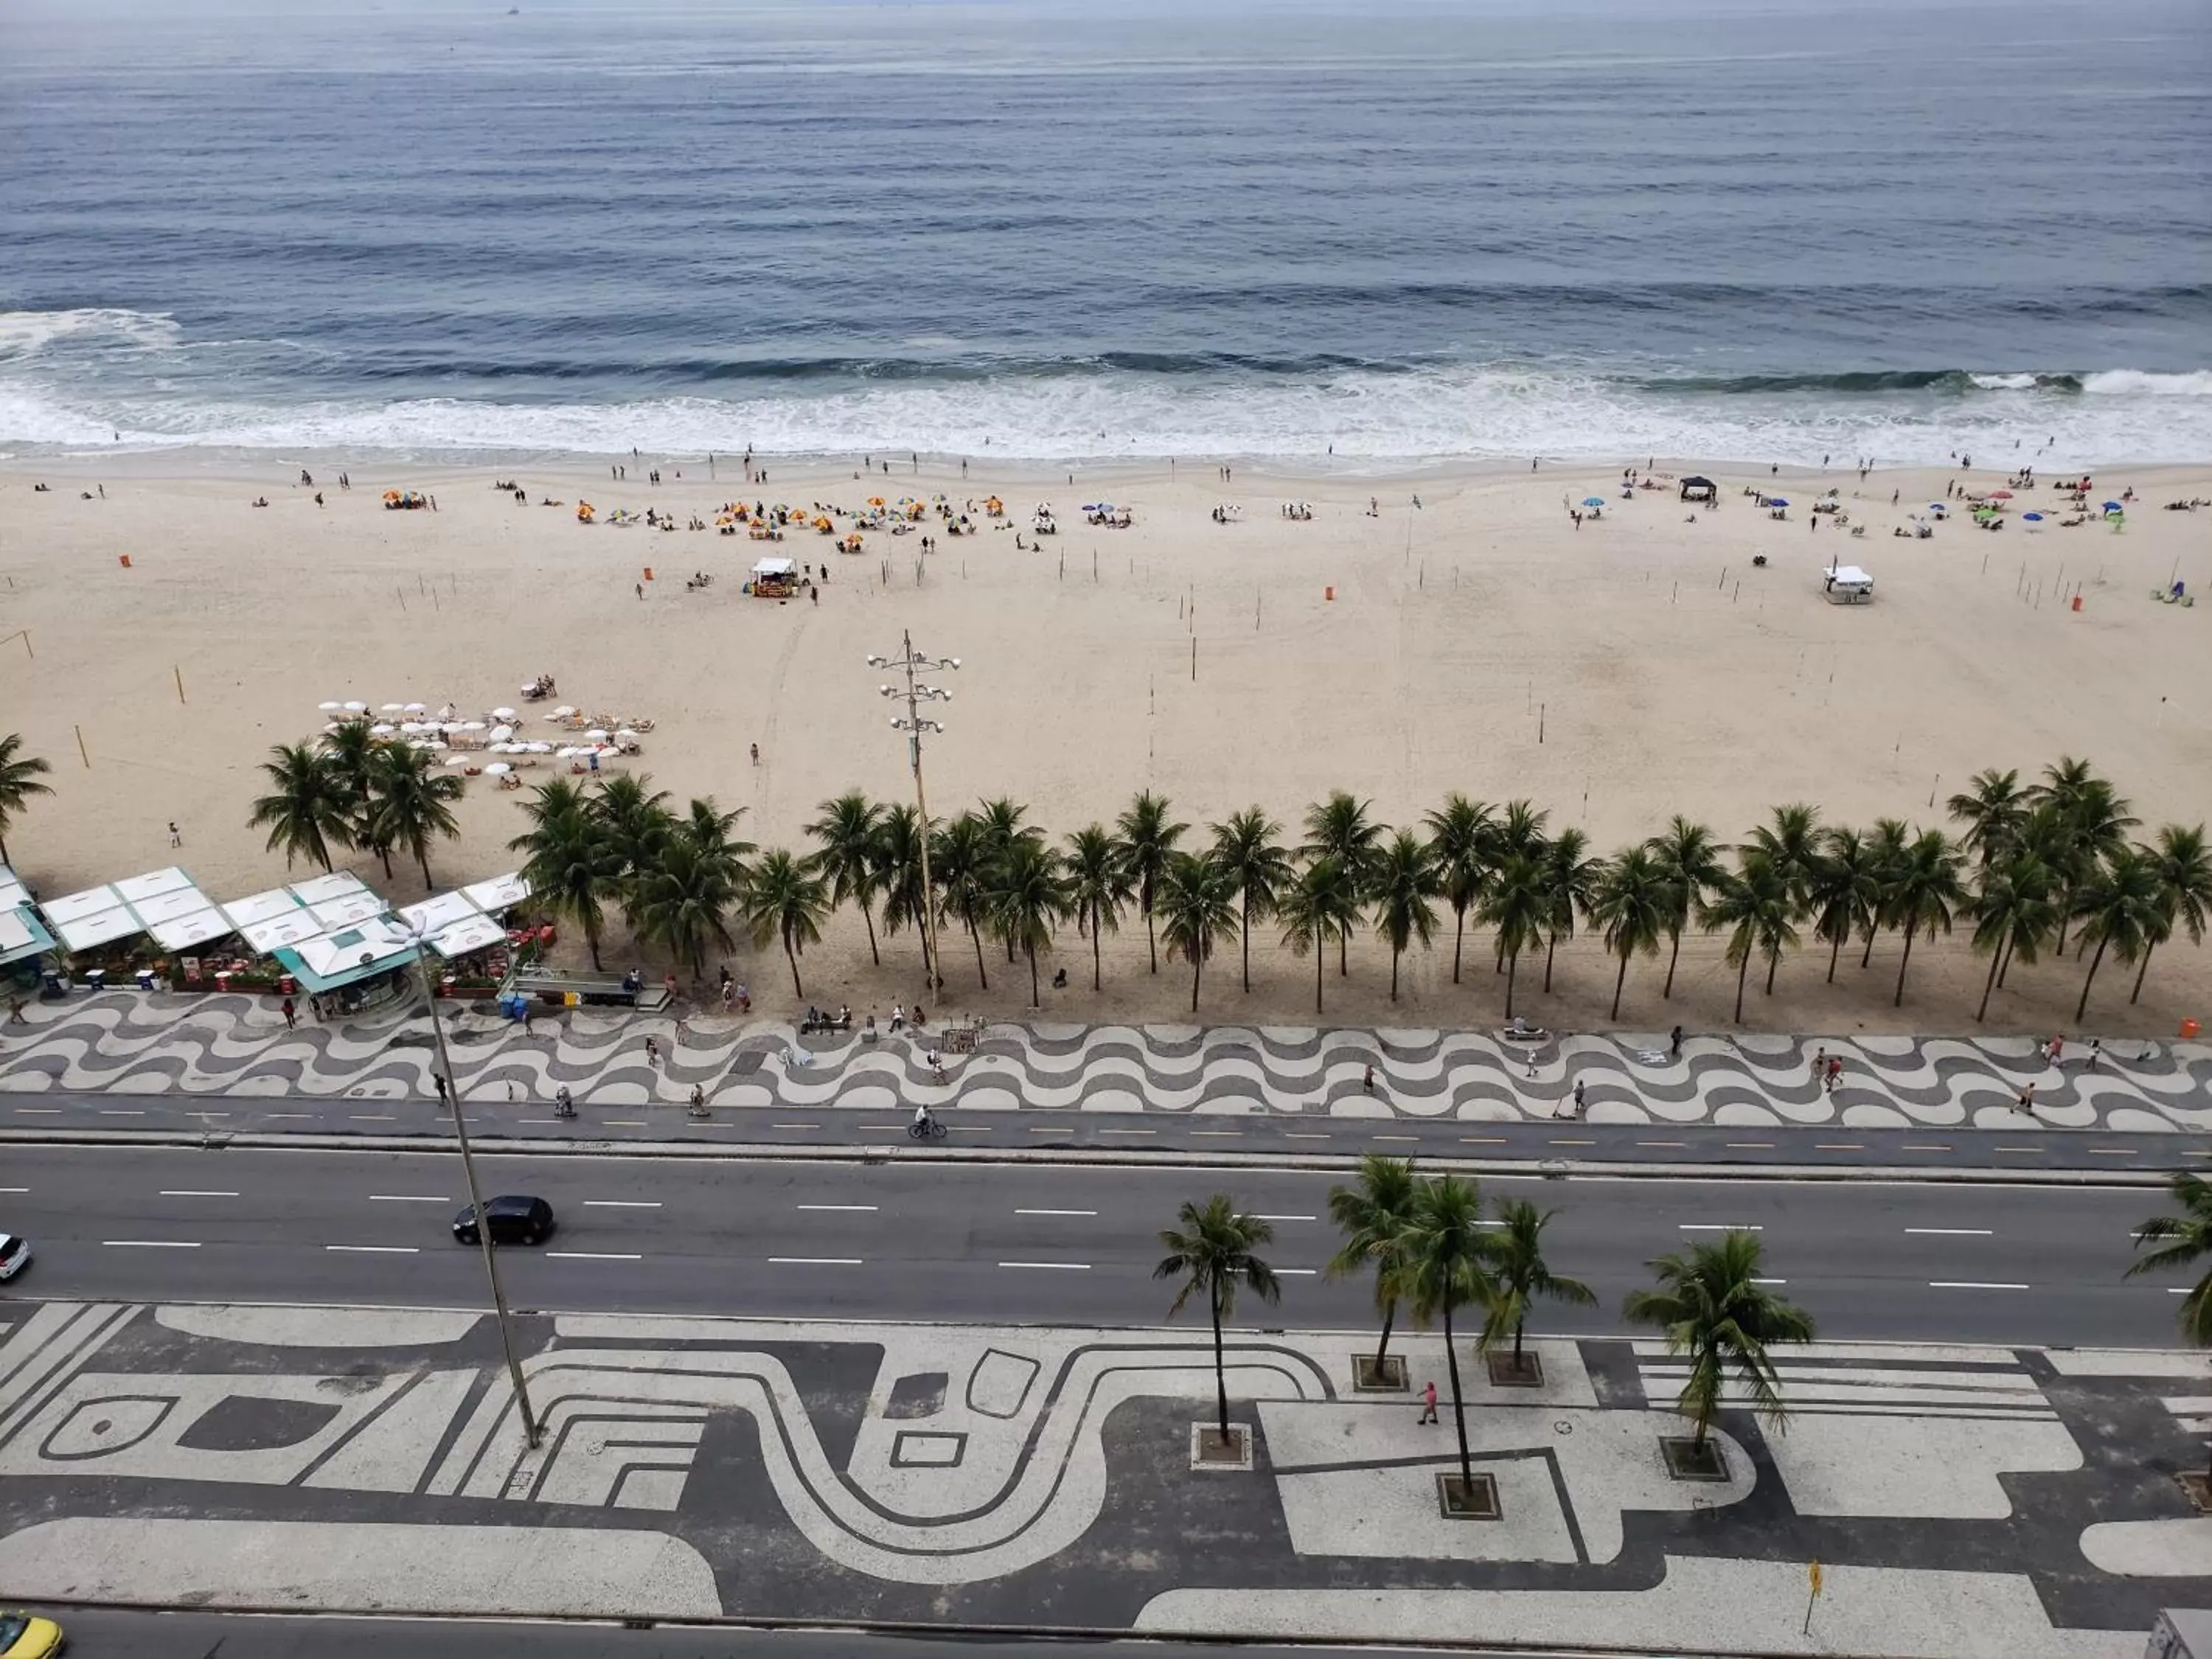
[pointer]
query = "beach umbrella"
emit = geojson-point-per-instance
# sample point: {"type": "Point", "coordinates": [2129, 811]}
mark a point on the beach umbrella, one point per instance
{"type": "Point", "coordinates": [499, 768]}
{"type": "Point", "coordinates": [566, 752]}
{"type": "Point", "coordinates": [472, 726]}
{"type": "Point", "coordinates": [1777, 501]}
{"type": "Point", "coordinates": [2030, 518]}
{"type": "Point", "coordinates": [1593, 500]}
{"type": "Point", "coordinates": [501, 733]}
{"type": "Point", "coordinates": [504, 714]}
{"type": "Point", "coordinates": [1938, 506]}
{"type": "Point", "coordinates": [537, 748]}
{"type": "Point", "coordinates": [456, 760]}
{"type": "Point", "coordinates": [596, 735]}
{"type": "Point", "coordinates": [381, 729]}
{"type": "Point", "coordinates": [563, 711]}
{"type": "Point", "coordinates": [2000, 495]}
{"type": "Point", "coordinates": [624, 732]}
{"type": "Point", "coordinates": [330, 707]}
{"type": "Point", "coordinates": [356, 708]}
{"type": "Point", "coordinates": [415, 708]}
{"type": "Point", "coordinates": [391, 708]}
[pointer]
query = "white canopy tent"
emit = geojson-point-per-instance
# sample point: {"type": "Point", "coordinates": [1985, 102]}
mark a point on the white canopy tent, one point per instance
{"type": "Point", "coordinates": [453, 924]}
{"type": "Point", "coordinates": [1846, 584]}
{"type": "Point", "coordinates": [21, 933]}
{"type": "Point", "coordinates": [286, 916]}
{"type": "Point", "coordinates": [163, 904]}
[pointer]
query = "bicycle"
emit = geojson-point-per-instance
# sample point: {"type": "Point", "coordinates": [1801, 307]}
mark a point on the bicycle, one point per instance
{"type": "Point", "coordinates": [928, 1129]}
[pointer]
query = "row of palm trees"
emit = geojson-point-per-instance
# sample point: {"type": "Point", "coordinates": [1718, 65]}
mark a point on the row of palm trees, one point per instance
{"type": "Point", "coordinates": [1433, 1252]}
{"type": "Point", "coordinates": [350, 790]}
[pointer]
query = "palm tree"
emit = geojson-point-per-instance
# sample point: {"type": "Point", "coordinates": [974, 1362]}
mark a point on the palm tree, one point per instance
{"type": "Point", "coordinates": [2184, 868]}
{"type": "Point", "coordinates": [1320, 906]}
{"type": "Point", "coordinates": [1520, 1274]}
{"type": "Point", "coordinates": [1791, 838]}
{"type": "Point", "coordinates": [1097, 886]}
{"type": "Point", "coordinates": [1843, 891]}
{"type": "Point", "coordinates": [1148, 838]}
{"type": "Point", "coordinates": [1373, 1216]}
{"type": "Point", "coordinates": [1001, 826]}
{"type": "Point", "coordinates": [2121, 907]}
{"type": "Point", "coordinates": [1245, 846]}
{"type": "Point", "coordinates": [1215, 1250]}
{"type": "Point", "coordinates": [1518, 905]}
{"type": "Point", "coordinates": [2013, 912]}
{"type": "Point", "coordinates": [1759, 908]}
{"type": "Point", "coordinates": [2093, 823]}
{"type": "Point", "coordinates": [353, 753]}
{"type": "Point", "coordinates": [682, 900]}
{"type": "Point", "coordinates": [1444, 1264]}
{"type": "Point", "coordinates": [1992, 807]}
{"type": "Point", "coordinates": [1885, 845]}
{"type": "Point", "coordinates": [572, 866]}
{"type": "Point", "coordinates": [961, 859]}
{"type": "Point", "coordinates": [1460, 832]}
{"type": "Point", "coordinates": [1404, 882]}
{"type": "Point", "coordinates": [1633, 901]}
{"type": "Point", "coordinates": [1339, 828]}
{"type": "Point", "coordinates": [306, 810]}
{"type": "Point", "coordinates": [1569, 876]}
{"type": "Point", "coordinates": [899, 887]}
{"type": "Point", "coordinates": [1691, 860]}
{"type": "Point", "coordinates": [1028, 896]}
{"type": "Point", "coordinates": [1711, 1307]}
{"type": "Point", "coordinates": [636, 818]}
{"type": "Point", "coordinates": [2183, 1241]}
{"type": "Point", "coordinates": [1519, 834]}
{"type": "Point", "coordinates": [1197, 902]}
{"type": "Point", "coordinates": [847, 837]}
{"type": "Point", "coordinates": [19, 781]}
{"type": "Point", "coordinates": [1920, 893]}
{"type": "Point", "coordinates": [714, 831]}
{"type": "Point", "coordinates": [786, 901]}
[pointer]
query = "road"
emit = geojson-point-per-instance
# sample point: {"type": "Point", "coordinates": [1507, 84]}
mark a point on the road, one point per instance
{"type": "Point", "coordinates": [2023, 1146]}
{"type": "Point", "coordinates": [105, 1634]}
{"type": "Point", "coordinates": [1026, 1241]}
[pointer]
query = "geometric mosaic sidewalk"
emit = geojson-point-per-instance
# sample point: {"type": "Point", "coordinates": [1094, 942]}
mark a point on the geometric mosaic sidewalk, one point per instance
{"type": "Point", "coordinates": [2012, 1503]}
{"type": "Point", "coordinates": [235, 1044]}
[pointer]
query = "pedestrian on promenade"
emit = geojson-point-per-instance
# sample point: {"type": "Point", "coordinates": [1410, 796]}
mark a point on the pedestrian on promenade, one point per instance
{"type": "Point", "coordinates": [1429, 1401]}
{"type": "Point", "coordinates": [2026, 1101]}
{"type": "Point", "coordinates": [291, 1015]}
{"type": "Point", "coordinates": [1835, 1071]}
{"type": "Point", "coordinates": [15, 1012]}
{"type": "Point", "coordinates": [1580, 1086]}
{"type": "Point", "coordinates": [1674, 1044]}
{"type": "Point", "coordinates": [1819, 1062]}
{"type": "Point", "coordinates": [898, 1016]}
{"type": "Point", "coordinates": [438, 1081]}
{"type": "Point", "coordinates": [652, 1051]}
{"type": "Point", "coordinates": [2057, 1050]}
{"type": "Point", "coordinates": [1367, 1078]}
{"type": "Point", "coordinates": [2096, 1053]}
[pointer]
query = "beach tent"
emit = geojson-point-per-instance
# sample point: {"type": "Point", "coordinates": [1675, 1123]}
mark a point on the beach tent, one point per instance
{"type": "Point", "coordinates": [284, 916]}
{"type": "Point", "coordinates": [1846, 584]}
{"type": "Point", "coordinates": [330, 961]}
{"type": "Point", "coordinates": [469, 919]}
{"type": "Point", "coordinates": [1695, 489]}
{"type": "Point", "coordinates": [22, 935]}
{"type": "Point", "coordinates": [164, 904]}
{"type": "Point", "coordinates": [774, 578]}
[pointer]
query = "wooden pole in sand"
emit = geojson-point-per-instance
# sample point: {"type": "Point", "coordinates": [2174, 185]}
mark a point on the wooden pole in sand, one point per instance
{"type": "Point", "coordinates": [1194, 659]}
{"type": "Point", "coordinates": [83, 754]}
{"type": "Point", "coordinates": [1539, 721]}
{"type": "Point", "coordinates": [179, 671]}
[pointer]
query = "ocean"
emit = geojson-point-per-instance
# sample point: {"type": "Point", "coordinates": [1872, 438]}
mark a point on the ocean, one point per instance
{"type": "Point", "coordinates": [1359, 236]}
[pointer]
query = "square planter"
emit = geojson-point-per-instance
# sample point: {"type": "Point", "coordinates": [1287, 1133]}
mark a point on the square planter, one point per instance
{"type": "Point", "coordinates": [1389, 1379]}
{"type": "Point", "coordinates": [1458, 1501]}
{"type": "Point", "coordinates": [1207, 1451]}
{"type": "Point", "coordinates": [1687, 1461]}
{"type": "Point", "coordinates": [2199, 1488]}
{"type": "Point", "coordinates": [1505, 1374]}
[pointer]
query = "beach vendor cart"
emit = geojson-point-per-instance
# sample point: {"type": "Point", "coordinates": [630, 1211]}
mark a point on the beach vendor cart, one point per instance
{"type": "Point", "coordinates": [1846, 584]}
{"type": "Point", "coordinates": [774, 579]}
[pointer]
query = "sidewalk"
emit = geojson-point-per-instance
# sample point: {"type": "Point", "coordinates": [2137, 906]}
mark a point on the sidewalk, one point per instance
{"type": "Point", "coordinates": [158, 1043]}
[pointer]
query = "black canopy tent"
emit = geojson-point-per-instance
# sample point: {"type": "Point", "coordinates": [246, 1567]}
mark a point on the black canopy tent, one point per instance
{"type": "Point", "coordinates": [1695, 489]}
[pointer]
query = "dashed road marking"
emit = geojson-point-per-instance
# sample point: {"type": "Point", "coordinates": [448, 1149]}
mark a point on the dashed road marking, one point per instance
{"type": "Point", "coordinates": [187, 1192]}
{"type": "Point", "coordinates": [1952, 1232]}
{"type": "Point", "coordinates": [595, 1255]}
{"type": "Point", "coordinates": [1971, 1284]}
{"type": "Point", "coordinates": [151, 1243]}
{"type": "Point", "coordinates": [1055, 1212]}
{"type": "Point", "coordinates": [374, 1249]}
{"type": "Point", "coordinates": [815, 1261]}
{"type": "Point", "coordinates": [621, 1203]}
{"type": "Point", "coordinates": [1051, 1267]}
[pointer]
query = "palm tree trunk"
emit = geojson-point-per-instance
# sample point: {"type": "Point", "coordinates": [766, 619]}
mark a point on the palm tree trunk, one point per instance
{"type": "Point", "coordinates": [1152, 940]}
{"type": "Point", "coordinates": [978, 937]}
{"type": "Point", "coordinates": [1382, 1344]}
{"type": "Point", "coordinates": [1835, 950]}
{"type": "Point", "coordinates": [2065, 910]}
{"type": "Point", "coordinates": [1773, 961]}
{"type": "Point", "coordinates": [1343, 954]}
{"type": "Point", "coordinates": [874, 955]}
{"type": "Point", "coordinates": [2006, 968]}
{"type": "Point", "coordinates": [1395, 952]}
{"type": "Point", "coordinates": [1619, 979]}
{"type": "Point", "coordinates": [1097, 981]}
{"type": "Point", "coordinates": [3, 850]}
{"type": "Point", "coordinates": [1321, 957]}
{"type": "Point", "coordinates": [384, 853]}
{"type": "Point", "coordinates": [1248, 942]}
{"type": "Point", "coordinates": [1512, 972]}
{"type": "Point", "coordinates": [1037, 1000]}
{"type": "Point", "coordinates": [1459, 938]}
{"type": "Point", "coordinates": [1519, 1326]}
{"type": "Point", "coordinates": [1742, 968]}
{"type": "Point", "coordinates": [1551, 944]}
{"type": "Point", "coordinates": [423, 859]}
{"type": "Point", "coordinates": [1674, 951]}
{"type": "Point", "coordinates": [2083, 1007]}
{"type": "Point", "coordinates": [2136, 994]}
{"type": "Point", "coordinates": [591, 942]}
{"type": "Point", "coordinates": [1866, 957]}
{"type": "Point", "coordinates": [1988, 985]}
{"type": "Point", "coordinates": [1197, 965]}
{"type": "Point", "coordinates": [1904, 963]}
{"type": "Point", "coordinates": [1459, 1409]}
{"type": "Point", "coordinates": [789, 955]}
{"type": "Point", "coordinates": [1220, 1373]}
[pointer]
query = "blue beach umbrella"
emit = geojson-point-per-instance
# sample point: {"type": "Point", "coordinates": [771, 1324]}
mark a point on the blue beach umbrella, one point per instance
{"type": "Point", "coordinates": [1938, 506]}
{"type": "Point", "coordinates": [1776, 501]}
{"type": "Point", "coordinates": [1593, 500]}
{"type": "Point", "coordinates": [2032, 518]}
{"type": "Point", "coordinates": [2113, 506]}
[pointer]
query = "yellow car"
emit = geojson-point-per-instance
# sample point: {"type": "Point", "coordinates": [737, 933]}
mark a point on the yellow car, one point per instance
{"type": "Point", "coordinates": [23, 1636]}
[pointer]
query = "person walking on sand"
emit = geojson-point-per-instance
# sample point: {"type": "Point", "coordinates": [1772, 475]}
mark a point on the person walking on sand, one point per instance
{"type": "Point", "coordinates": [1428, 1402]}
{"type": "Point", "coordinates": [756, 754]}
{"type": "Point", "coordinates": [176, 836]}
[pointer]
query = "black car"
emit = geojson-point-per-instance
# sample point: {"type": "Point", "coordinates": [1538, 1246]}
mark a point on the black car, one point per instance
{"type": "Point", "coordinates": [514, 1219]}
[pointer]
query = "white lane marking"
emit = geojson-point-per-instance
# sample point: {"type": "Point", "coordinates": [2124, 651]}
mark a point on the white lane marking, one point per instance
{"type": "Point", "coordinates": [15, 1189]}
{"type": "Point", "coordinates": [1562, 1142]}
{"type": "Point", "coordinates": [1770, 1281]}
{"type": "Point", "coordinates": [1295, 1134]}
{"type": "Point", "coordinates": [38, 1111]}
{"type": "Point", "coordinates": [1051, 1267]}
{"type": "Point", "coordinates": [1055, 1212]}
{"type": "Point", "coordinates": [372, 1117]}
{"type": "Point", "coordinates": [815, 1261]}
{"type": "Point", "coordinates": [120, 1111]}
{"type": "Point", "coordinates": [1297, 1272]}
{"type": "Point", "coordinates": [1048, 1129]}
{"type": "Point", "coordinates": [594, 1256]}
{"type": "Point", "coordinates": [1951, 1232]}
{"type": "Point", "coordinates": [2179, 1290]}
{"type": "Point", "coordinates": [1282, 1218]}
{"type": "Point", "coordinates": [407, 1197]}
{"type": "Point", "coordinates": [1128, 1131]}
{"type": "Point", "coordinates": [150, 1243]}
{"type": "Point", "coordinates": [374, 1249]}
{"type": "Point", "coordinates": [621, 1203]}
{"type": "Point", "coordinates": [186, 1192]}
{"type": "Point", "coordinates": [794, 1126]}
{"type": "Point", "coordinates": [275, 1117]}
{"type": "Point", "coordinates": [1750, 1145]}
{"type": "Point", "coordinates": [625, 1123]}
{"type": "Point", "coordinates": [1970, 1284]}
{"type": "Point", "coordinates": [858, 1209]}
{"type": "Point", "coordinates": [1220, 1134]}
{"type": "Point", "coordinates": [538, 1120]}
{"type": "Point", "coordinates": [1715, 1227]}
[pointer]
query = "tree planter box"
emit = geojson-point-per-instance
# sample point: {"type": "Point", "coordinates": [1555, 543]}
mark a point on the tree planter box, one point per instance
{"type": "Point", "coordinates": [1687, 1461]}
{"type": "Point", "coordinates": [2199, 1488]}
{"type": "Point", "coordinates": [1505, 1374]}
{"type": "Point", "coordinates": [1457, 1501]}
{"type": "Point", "coordinates": [1389, 1379]}
{"type": "Point", "coordinates": [1207, 1451]}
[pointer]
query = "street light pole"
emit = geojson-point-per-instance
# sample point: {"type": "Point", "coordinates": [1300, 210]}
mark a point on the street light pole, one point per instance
{"type": "Point", "coordinates": [914, 724]}
{"type": "Point", "coordinates": [532, 1428]}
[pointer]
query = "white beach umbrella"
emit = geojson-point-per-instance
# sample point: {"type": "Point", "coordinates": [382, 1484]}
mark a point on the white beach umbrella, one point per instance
{"type": "Point", "coordinates": [563, 712]}
{"type": "Point", "coordinates": [501, 733]}
{"type": "Point", "coordinates": [472, 726]}
{"type": "Point", "coordinates": [381, 729]}
{"type": "Point", "coordinates": [391, 708]}
{"type": "Point", "coordinates": [498, 769]}
{"type": "Point", "coordinates": [456, 760]}
{"type": "Point", "coordinates": [417, 709]}
{"type": "Point", "coordinates": [504, 714]}
{"type": "Point", "coordinates": [410, 727]}
{"type": "Point", "coordinates": [566, 752]}
{"type": "Point", "coordinates": [596, 735]}
{"type": "Point", "coordinates": [330, 707]}
{"type": "Point", "coordinates": [356, 708]}
{"type": "Point", "coordinates": [624, 732]}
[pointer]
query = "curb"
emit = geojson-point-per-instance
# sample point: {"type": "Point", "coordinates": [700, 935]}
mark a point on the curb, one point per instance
{"type": "Point", "coordinates": [1075, 1156]}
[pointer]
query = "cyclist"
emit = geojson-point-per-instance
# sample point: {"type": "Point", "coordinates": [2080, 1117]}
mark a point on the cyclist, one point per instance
{"type": "Point", "coordinates": [923, 1123]}
{"type": "Point", "coordinates": [698, 1107]}
{"type": "Point", "coordinates": [564, 1103]}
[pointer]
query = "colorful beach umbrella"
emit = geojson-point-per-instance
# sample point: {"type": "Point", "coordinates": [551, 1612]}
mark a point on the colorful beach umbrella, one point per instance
{"type": "Point", "coordinates": [1777, 501]}
{"type": "Point", "coordinates": [1593, 500]}
{"type": "Point", "coordinates": [2030, 518]}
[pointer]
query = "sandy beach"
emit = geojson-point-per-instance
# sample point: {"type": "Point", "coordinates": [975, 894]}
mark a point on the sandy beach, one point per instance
{"type": "Point", "coordinates": [1617, 673]}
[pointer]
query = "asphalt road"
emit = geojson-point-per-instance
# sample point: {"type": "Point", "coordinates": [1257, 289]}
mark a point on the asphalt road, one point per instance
{"type": "Point", "coordinates": [1026, 1242]}
{"type": "Point", "coordinates": [1832, 1146]}
{"type": "Point", "coordinates": [102, 1634]}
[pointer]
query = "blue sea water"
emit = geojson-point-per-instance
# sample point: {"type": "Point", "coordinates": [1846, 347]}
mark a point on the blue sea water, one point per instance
{"type": "Point", "coordinates": [1051, 228]}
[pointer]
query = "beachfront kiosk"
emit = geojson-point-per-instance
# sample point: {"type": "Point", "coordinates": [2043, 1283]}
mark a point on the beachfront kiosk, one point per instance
{"type": "Point", "coordinates": [774, 579]}
{"type": "Point", "coordinates": [1846, 584]}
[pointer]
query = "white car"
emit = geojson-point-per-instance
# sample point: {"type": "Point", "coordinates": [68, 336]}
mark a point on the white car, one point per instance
{"type": "Point", "coordinates": [14, 1255]}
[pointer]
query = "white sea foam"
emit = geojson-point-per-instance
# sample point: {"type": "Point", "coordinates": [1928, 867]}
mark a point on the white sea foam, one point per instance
{"type": "Point", "coordinates": [26, 334]}
{"type": "Point", "coordinates": [2004, 382]}
{"type": "Point", "coordinates": [2136, 382]}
